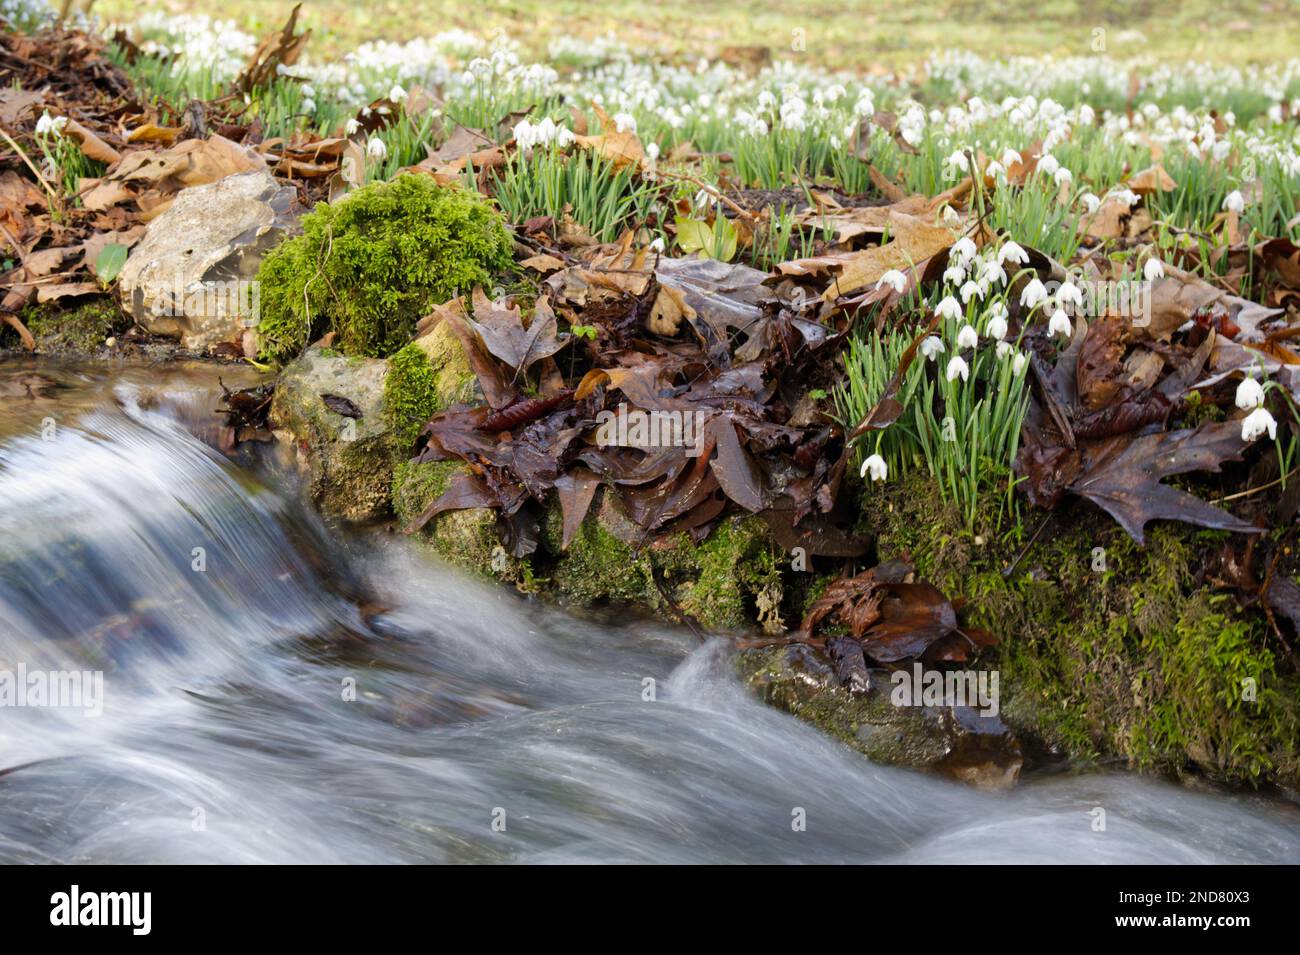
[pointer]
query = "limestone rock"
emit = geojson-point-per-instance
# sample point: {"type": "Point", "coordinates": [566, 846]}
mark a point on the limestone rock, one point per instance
{"type": "Point", "coordinates": [955, 741]}
{"type": "Point", "coordinates": [193, 274]}
{"type": "Point", "coordinates": [347, 461]}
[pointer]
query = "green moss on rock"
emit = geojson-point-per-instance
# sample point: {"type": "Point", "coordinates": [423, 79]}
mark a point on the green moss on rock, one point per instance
{"type": "Point", "coordinates": [347, 461]}
{"type": "Point", "coordinates": [727, 582]}
{"type": "Point", "coordinates": [410, 393]}
{"type": "Point", "coordinates": [369, 266]}
{"type": "Point", "coordinates": [1109, 648]}
{"type": "Point", "coordinates": [76, 331]}
{"type": "Point", "coordinates": [466, 538]}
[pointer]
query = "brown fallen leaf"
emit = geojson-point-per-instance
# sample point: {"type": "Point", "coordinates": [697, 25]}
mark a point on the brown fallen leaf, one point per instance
{"type": "Point", "coordinates": [620, 148]}
{"type": "Point", "coordinates": [1126, 483]}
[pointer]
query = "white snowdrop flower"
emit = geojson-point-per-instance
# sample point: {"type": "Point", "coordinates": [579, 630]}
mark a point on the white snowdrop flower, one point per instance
{"type": "Point", "coordinates": [950, 217]}
{"type": "Point", "coordinates": [309, 105]}
{"type": "Point", "coordinates": [967, 337]}
{"type": "Point", "coordinates": [1221, 149]}
{"type": "Point", "coordinates": [971, 290]}
{"type": "Point", "coordinates": [1010, 157]}
{"type": "Point", "coordinates": [766, 100]}
{"type": "Point", "coordinates": [894, 279]}
{"type": "Point", "coordinates": [1153, 269]}
{"type": "Point", "coordinates": [992, 273]}
{"type": "Point", "coordinates": [1004, 349]}
{"type": "Point", "coordinates": [1086, 113]}
{"type": "Point", "coordinates": [1034, 294]}
{"type": "Point", "coordinates": [996, 327]}
{"type": "Point", "coordinates": [1060, 324]}
{"type": "Point", "coordinates": [876, 467]}
{"type": "Point", "coordinates": [949, 308]}
{"type": "Point", "coordinates": [932, 346]}
{"type": "Point", "coordinates": [49, 125]}
{"type": "Point", "coordinates": [954, 274]}
{"type": "Point", "coordinates": [964, 249]}
{"type": "Point", "coordinates": [1069, 294]}
{"type": "Point", "coordinates": [625, 122]}
{"type": "Point", "coordinates": [956, 163]}
{"type": "Point", "coordinates": [1234, 202]}
{"type": "Point", "coordinates": [994, 170]}
{"type": "Point", "coordinates": [1048, 164]}
{"type": "Point", "coordinates": [351, 126]}
{"type": "Point", "coordinates": [1019, 363]}
{"type": "Point", "coordinates": [1126, 196]}
{"type": "Point", "coordinates": [397, 94]}
{"type": "Point", "coordinates": [1090, 201]}
{"type": "Point", "coordinates": [564, 137]}
{"type": "Point", "coordinates": [652, 150]}
{"type": "Point", "coordinates": [1063, 176]}
{"type": "Point", "coordinates": [1256, 423]}
{"type": "Point", "coordinates": [376, 149]}
{"type": "Point", "coordinates": [957, 368]}
{"type": "Point", "coordinates": [1011, 252]}
{"type": "Point", "coordinates": [524, 135]}
{"type": "Point", "coordinates": [657, 245]}
{"type": "Point", "coordinates": [1250, 394]}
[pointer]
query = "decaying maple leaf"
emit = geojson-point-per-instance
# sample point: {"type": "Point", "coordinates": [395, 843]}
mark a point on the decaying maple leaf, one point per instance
{"type": "Point", "coordinates": [1126, 482]}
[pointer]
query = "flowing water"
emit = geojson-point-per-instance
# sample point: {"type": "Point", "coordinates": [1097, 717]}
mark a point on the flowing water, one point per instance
{"type": "Point", "coordinates": [288, 693]}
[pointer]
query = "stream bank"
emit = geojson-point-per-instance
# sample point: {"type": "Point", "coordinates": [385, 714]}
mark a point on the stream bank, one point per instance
{"type": "Point", "coordinates": [1137, 660]}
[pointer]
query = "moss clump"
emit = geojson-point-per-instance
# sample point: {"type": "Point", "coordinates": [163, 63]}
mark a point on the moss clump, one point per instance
{"type": "Point", "coordinates": [453, 380]}
{"type": "Point", "coordinates": [1122, 651]}
{"type": "Point", "coordinates": [737, 567]}
{"type": "Point", "coordinates": [416, 486]}
{"type": "Point", "coordinates": [726, 582]}
{"type": "Point", "coordinates": [467, 538]}
{"type": "Point", "coordinates": [369, 266]}
{"type": "Point", "coordinates": [598, 567]}
{"type": "Point", "coordinates": [77, 331]}
{"type": "Point", "coordinates": [410, 393]}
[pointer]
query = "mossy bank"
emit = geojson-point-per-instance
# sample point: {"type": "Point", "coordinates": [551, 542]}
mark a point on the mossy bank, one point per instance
{"type": "Point", "coordinates": [1111, 650]}
{"type": "Point", "coordinates": [1135, 659]}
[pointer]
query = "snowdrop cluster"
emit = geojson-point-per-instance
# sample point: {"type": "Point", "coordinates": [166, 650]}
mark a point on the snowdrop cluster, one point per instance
{"type": "Point", "coordinates": [529, 135]}
{"type": "Point", "coordinates": [996, 105]}
{"type": "Point", "coordinates": [1250, 397]}
{"type": "Point", "coordinates": [197, 43]}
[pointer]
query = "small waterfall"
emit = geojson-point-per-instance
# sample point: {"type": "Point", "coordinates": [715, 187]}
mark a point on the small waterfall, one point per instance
{"type": "Point", "coordinates": [276, 691]}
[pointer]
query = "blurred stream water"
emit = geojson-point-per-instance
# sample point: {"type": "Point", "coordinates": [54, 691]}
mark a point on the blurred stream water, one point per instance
{"type": "Point", "coordinates": [225, 735]}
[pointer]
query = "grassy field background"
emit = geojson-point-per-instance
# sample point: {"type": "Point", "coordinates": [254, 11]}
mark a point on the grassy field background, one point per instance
{"type": "Point", "coordinates": [855, 34]}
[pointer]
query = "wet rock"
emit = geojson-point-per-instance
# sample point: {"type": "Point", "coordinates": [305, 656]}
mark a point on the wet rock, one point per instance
{"type": "Point", "coordinates": [347, 461]}
{"type": "Point", "coordinates": [192, 275]}
{"type": "Point", "coordinates": [955, 741]}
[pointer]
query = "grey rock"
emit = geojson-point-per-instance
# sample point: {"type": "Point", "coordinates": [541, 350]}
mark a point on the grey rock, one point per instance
{"type": "Point", "coordinates": [347, 462]}
{"type": "Point", "coordinates": [193, 274]}
{"type": "Point", "coordinates": [954, 741]}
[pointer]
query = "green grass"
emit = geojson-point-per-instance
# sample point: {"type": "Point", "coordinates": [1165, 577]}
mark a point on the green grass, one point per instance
{"type": "Point", "coordinates": [835, 33]}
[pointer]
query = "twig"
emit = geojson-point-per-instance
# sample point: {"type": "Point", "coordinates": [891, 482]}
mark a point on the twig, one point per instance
{"type": "Point", "coordinates": [1255, 490]}
{"type": "Point", "coordinates": [32, 166]}
{"type": "Point", "coordinates": [712, 190]}
{"type": "Point", "coordinates": [1028, 544]}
